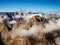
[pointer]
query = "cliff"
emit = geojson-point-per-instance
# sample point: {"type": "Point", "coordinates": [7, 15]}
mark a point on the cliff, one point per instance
{"type": "Point", "coordinates": [38, 38]}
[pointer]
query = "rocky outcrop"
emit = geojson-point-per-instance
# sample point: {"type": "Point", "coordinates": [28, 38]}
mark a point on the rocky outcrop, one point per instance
{"type": "Point", "coordinates": [39, 38]}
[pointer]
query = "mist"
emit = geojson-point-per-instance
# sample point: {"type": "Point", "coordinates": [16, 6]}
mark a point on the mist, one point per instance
{"type": "Point", "coordinates": [49, 27]}
{"type": "Point", "coordinates": [24, 32]}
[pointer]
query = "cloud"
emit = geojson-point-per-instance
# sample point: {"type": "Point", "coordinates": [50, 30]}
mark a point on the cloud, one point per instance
{"type": "Point", "coordinates": [12, 22]}
{"type": "Point", "coordinates": [52, 26]}
{"type": "Point", "coordinates": [24, 32]}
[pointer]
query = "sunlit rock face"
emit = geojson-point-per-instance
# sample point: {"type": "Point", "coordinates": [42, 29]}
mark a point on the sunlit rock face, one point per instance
{"type": "Point", "coordinates": [11, 40]}
{"type": "Point", "coordinates": [3, 33]}
{"type": "Point", "coordinates": [36, 30]}
{"type": "Point", "coordinates": [17, 41]}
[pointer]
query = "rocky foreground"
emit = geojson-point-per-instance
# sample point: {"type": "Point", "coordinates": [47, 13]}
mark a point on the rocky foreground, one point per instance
{"type": "Point", "coordinates": [35, 31]}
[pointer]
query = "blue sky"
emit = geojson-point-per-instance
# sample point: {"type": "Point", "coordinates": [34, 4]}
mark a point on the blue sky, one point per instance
{"type": "Point", "coordinates": [30, 5]}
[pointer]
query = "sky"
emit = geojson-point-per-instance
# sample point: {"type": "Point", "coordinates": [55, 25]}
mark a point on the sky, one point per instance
{"type": "Point", "coordinates": [30, 5]}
